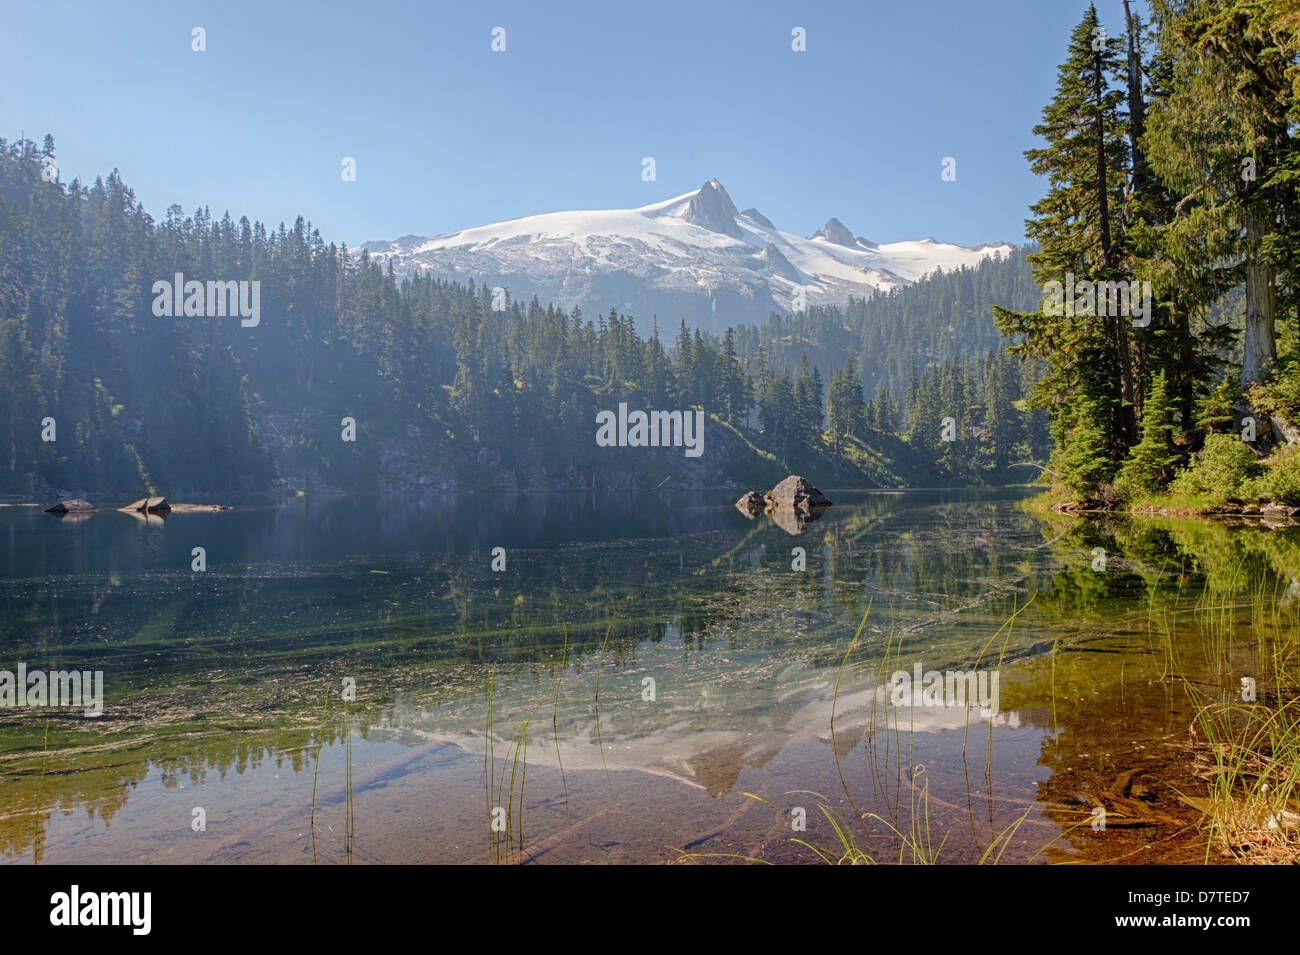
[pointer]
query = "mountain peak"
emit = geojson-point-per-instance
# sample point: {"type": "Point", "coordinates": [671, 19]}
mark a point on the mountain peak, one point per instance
{"type": "Point", "coordinates": [834, 231]}
{"type": "Point", "coordinates": [671, 258]}
{"type": "Point", "coordinates": [711, 208]}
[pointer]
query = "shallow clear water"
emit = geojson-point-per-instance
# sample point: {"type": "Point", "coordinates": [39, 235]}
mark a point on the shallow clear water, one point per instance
{"type": "Point", "coordinates": [216, 681]}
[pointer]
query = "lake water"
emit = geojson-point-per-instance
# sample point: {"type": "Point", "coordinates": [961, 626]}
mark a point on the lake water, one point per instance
{"type": "Point", "coordinates": [650, 678]}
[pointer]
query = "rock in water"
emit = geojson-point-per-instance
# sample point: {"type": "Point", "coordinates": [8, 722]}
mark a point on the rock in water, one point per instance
{"type": "Point", "coordinates": [149, 505]}
{"type": "Point", "coordinates": [1279, 510]}
{"type": "Point", "coordinates": [795, 492]}
{"type": "Point", "coordinates": [751, 503]}
{"type": "Point", "coordinates": [72, 505]}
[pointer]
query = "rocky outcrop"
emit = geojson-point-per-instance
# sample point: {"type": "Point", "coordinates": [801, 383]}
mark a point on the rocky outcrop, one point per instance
{"type": "Point", "coordinates": [796, 493]}
{"type": "Point", "coordinates": [835, 231]}
{"type": "Point", "coordinates": [791, 504]}
{"type": "Point", "coordinates": [1279, 510]}
{"type": "Point", "coordinates": [711, 208]}
{"type": "Point", "coordinates": [152, 510]}
{"type": "Point", "coordinates": [1285, 431]}
{"type": "Point", "coordinates": [1271, 431]}
{"type": "Point", "coordinates": [149, 505]}
{"type": "Point", "coordinates": [779, 265]}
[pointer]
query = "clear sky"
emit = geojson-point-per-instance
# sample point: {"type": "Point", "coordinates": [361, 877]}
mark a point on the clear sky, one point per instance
{"type": "Point", "coordinates": [448, 134]}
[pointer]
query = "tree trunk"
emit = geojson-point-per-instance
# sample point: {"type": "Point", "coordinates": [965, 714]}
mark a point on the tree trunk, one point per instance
{"type": "Point", "coordinates": [1129, 400]}
{"type": "Point", "coordinates": [1103, 194]}
{"type": "Point", "coordinates": [1258, 349]}
{"type": "Point", "coordinates": [1125, 421]}
{"type": "Point", "coordinates": [1136, 106]}
{"type": "Point", "coordinates": [1179, 318]}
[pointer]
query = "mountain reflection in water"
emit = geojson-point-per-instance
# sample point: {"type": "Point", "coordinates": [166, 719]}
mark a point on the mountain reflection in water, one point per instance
{"type": "Point", "coordinates": [215, 681]}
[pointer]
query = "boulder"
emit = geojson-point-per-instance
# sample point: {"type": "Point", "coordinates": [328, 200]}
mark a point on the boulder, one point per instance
{"type": "Point", "coordinates": [751, 503]}
{"type": "Point", "coordinates": [151, 505]}
{"type": "Point", "coordinates": [795, 492]}
{"type": "Point", "coordinates": [71, 505]}
{"type": "Point", "coordinates": [1279, 510]}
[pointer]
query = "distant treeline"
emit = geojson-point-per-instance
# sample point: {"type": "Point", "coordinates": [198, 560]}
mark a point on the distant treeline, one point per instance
{"type": "Point", "coordinates": [895, 336]}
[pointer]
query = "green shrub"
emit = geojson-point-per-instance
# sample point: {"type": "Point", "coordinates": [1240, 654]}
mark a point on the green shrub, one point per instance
{"type": "Point", "coordinates": [1281, 396]}
{"type": "Point", "coordinates": [1216, 410]}
{"type": "Point", "coordinates": [1080, 458]}
{"type": "Point", "coordinates": [1219, 469]}
{"type": "Point", "coordinates": [1280, 480]}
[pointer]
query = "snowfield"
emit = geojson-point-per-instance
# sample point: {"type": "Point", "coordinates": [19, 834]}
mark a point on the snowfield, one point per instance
{"type": "Point", "coordinates": [693, 257]}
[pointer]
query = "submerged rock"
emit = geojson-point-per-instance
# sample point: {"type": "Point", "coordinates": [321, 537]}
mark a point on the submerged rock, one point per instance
{"type": "Point", "coordinates": [71, 505]}
{"type": "Point", "coordinates": [795, 492]}
{"type": "Point", "coordinates": [751, 503]}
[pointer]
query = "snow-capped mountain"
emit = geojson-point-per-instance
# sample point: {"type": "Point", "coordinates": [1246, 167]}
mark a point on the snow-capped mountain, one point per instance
{"type": "Point", "coordinates": [694, 257]}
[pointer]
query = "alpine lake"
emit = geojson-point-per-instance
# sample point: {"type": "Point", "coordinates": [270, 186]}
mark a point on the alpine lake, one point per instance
{"type": "Point", "coordinates": [649, 678]}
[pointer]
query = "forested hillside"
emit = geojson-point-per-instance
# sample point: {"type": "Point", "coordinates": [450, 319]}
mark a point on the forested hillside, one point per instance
{"type": "Point", "coordinates": [448, 386]}
{"type": "Point", "coordinates": [895, 335]}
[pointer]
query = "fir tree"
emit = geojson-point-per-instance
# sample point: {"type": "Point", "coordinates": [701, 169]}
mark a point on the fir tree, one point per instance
{"type": "Point", "coordinates": [1151, 462]}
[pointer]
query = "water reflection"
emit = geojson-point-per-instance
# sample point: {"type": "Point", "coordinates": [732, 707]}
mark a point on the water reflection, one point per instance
{"type": "Point", "coordinates": [215, 682]}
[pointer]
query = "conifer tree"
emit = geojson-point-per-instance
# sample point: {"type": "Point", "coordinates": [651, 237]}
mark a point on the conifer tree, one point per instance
{"type": "Point", "coordinates": [1221, 138]}
{"type": "Point", "coordinates": [1081, 237]}
{"type": "Point", "coordinates": [1080, 458]}
{"type": "Point", "coordinates": [1151, 462]}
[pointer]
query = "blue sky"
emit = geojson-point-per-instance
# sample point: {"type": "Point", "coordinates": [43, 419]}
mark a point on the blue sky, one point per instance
{"type": "Point", "coordinates": [448, 134]}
